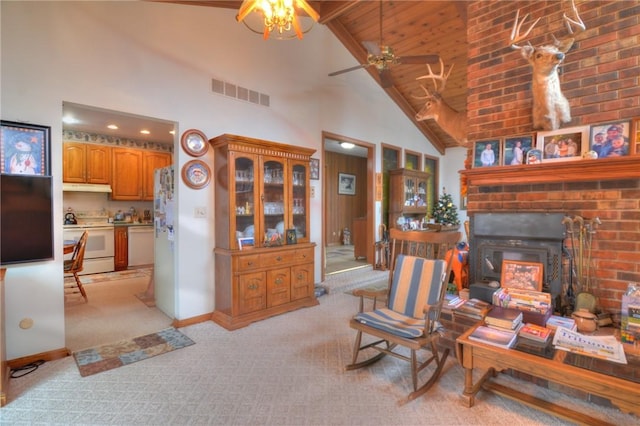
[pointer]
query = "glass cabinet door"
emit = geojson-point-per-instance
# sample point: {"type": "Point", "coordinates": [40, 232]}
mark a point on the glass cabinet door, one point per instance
{"type": "Point", "coordinates": [300, 202]}
{"type": "Point", "coordinates": [274, 204]}
{"type": "Point", "coordinates": [244, 201]}
{"type": "Point", "coordinates": [409, 191]}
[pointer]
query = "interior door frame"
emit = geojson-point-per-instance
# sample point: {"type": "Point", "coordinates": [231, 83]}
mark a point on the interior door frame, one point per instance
{"type": "Point", "coordinates": [371, 220]}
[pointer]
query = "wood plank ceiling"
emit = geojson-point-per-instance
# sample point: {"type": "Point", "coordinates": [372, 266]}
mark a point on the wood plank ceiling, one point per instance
{"type": "Point", "coordinates": [410, 28]}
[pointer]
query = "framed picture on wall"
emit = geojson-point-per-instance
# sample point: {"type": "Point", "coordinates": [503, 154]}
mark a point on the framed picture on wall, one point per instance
{"type": "Point", "coordinates": [486, 153]}
{"type": "Point", "coordinates": [24, 149]}
{"type": "Point", "coordinates": [610, 139]}
{"type": "Point", "coordinates": [563, 144]}
{"type": "Point", "coordinates": [515, 149]}
{"type": "Point", "coordinates": [635, 135]}
{"type": "Point", "coordinates": [346, 184]}
{"type": "Point", "coordinates": [314, 165]}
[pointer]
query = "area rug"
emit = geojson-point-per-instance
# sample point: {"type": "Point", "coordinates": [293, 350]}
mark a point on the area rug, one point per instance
{"type": "Point", "coordinates": [114, 355]}
{"type": "Point", "coordinates": [112, 276]}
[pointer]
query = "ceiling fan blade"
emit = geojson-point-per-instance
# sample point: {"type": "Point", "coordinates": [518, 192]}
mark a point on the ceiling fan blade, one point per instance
{"type": "Point", "coordinates": [385, 78]}
{"type": "Point", "coordinates": [372, 47]}
{"type": "Point", "coordinates": [418, 59]}
{"type": "Point", "coordinates": [357, 67]}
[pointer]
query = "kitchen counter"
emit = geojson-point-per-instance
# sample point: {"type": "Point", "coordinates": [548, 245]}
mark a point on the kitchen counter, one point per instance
{"type": "Point", "coordinates": [119, 223]}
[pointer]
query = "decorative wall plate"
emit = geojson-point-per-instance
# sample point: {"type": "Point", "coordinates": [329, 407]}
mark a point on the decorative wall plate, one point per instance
{"type": "Point", "coordinates": [194, 143]}
{"type": "Point", "coordinates": [196, 174]}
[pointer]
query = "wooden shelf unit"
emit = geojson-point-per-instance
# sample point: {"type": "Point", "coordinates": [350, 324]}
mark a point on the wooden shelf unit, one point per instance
{"type": "Point", "coordinates": [262, 191]}
{"type": "Point", "coordinates": [407, 195]}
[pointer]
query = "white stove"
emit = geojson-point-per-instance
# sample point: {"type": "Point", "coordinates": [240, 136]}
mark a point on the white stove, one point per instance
{"type": "Point", "coordinates": [99, 252]}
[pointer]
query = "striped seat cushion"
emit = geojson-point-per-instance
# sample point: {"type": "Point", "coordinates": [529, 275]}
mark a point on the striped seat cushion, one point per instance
{"type": "Point", "coordinates": [416, 283]}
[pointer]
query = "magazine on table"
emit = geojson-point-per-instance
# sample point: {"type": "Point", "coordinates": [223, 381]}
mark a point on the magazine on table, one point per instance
{"type": "Point", "coordinates": [603, 347]}
{"type": "Point", "coordinates": [493, 336]}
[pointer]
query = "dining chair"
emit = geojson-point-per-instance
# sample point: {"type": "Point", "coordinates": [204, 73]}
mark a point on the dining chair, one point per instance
{"type": "Point", "coordinates": [74, 265]}
{"type": "Point", "coordinates": [407, 326]}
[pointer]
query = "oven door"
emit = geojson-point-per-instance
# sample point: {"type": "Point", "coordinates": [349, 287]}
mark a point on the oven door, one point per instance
{"type": "Point", "coordinates": [99, 244]}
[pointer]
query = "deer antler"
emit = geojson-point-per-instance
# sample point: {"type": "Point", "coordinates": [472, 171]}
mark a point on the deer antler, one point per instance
{"type": "Point", "coordinates": [437, 77]}
{"type": "Point", "coordinates": [515, 32]}
{"type": "Point", "coordinates": [577, 21]}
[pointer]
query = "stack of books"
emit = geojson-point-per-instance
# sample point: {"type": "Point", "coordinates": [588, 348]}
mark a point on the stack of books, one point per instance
{"type": "Point", "coordinates": [556, 321]}
{"type": "Point", "coordinates": [504, 318]}
{"type": "Point", "coordinates": [473, 308]}
{"type": "Point", "coordinates": [534, 332]}
{"type": "Point", "coordinates": [493, 336]}
{"type": "Point", "coordinates": [451, 302]}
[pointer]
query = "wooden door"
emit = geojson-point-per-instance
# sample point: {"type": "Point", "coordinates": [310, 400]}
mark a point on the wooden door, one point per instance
{"type": "Point", "coordinates": [127, 174]}
{"type": "Point", "coordinates": [150, 162]}
{"type": "Point", "coordinates": [98, 164]}
{"type": "Point", "coordinates": [73, 162]}
{"type": "Point", "coordinates": [121, 260]}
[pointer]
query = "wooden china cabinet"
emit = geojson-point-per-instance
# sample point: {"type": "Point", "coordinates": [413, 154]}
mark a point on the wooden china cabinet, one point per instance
{"type": "Point", "coordinates": [264, 261]}
{"type": "Point", "coordinates": [407, 196]}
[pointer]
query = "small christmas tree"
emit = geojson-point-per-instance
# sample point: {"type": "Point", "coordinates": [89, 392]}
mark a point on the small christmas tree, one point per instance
{"type": "Point", "coordinates": [444, 211]}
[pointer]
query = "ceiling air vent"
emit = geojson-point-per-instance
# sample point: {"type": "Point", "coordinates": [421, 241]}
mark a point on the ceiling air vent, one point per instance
{"type": "Point", "coordinates": [240, 93]}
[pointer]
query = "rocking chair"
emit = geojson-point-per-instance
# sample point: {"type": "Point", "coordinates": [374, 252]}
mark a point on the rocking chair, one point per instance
{"type": "Point", "coordinates": [417, 284]}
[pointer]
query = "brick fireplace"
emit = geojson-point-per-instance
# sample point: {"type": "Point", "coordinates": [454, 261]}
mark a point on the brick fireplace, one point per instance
{"type": "Point", "coordinates": [601, 79]}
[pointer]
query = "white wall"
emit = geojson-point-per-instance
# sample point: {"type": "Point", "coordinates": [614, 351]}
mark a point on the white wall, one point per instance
{"type": "Point", "coordinates": [158, 60]}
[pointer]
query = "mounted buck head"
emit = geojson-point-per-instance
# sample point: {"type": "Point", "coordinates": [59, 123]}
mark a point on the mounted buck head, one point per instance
{"type": "Point", "coordinates": [454, 123]}
{"type": "Point", "coordinates": [550, 107]}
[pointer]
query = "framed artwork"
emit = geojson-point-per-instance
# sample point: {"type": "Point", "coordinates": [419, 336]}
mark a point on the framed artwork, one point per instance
{"type": "Point", "coordinates": [245, 242]}
{"type": "Point", "coordinates": [196, 174]}
{"type": "Point", "coordinates": [315, 169]}
{"type": "Point", "coordinates": [194, 143]}
{"type": "Point", "coordinates": [346, 184]}
{"type": "Point", "coordinates": [486, 153]}
{"type": "Point", "coordinates": [291, 236]}
{"type": "Point", "coordinates": [24, 149]}
{"type": "Point", "coordinates": [515, 149]}
{"type": "Point", "coordinates": [610, 139]}
{"type": "Point", "coordinates": [563, 144]}
{"type": "Point", "coordinates": [524, 275]}
{"type": "Point", "coordinates": [635, 136]}
{"type": "Point", "coordinates": [534, 156]}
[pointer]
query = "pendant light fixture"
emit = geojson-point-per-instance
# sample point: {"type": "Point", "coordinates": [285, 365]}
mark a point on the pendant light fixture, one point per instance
{"type": "Point", "coordinates": [277, 16]}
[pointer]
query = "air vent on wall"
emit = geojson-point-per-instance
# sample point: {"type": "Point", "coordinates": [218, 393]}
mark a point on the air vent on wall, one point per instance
{"type": "Point", "coordinates": [238, 92]}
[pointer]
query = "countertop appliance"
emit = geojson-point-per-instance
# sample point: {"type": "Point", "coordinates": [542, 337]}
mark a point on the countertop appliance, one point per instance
{"type": "Point", "coordinates": [100, 249]}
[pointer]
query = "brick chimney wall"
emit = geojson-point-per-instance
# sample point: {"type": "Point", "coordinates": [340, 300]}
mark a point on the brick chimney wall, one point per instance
{"type": "Point", "coordinates": [601, 79]}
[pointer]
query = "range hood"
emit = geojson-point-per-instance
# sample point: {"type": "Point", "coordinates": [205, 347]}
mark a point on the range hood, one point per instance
{"type": "Point", "coordinates": [85, 187]}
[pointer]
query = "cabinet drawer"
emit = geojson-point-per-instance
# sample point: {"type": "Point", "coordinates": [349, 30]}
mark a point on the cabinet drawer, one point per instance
{"type": "Point", "coordinates": [304, 255]}
{"type": "Point", "coordinates": [269, 260]}
{"type": "Point", "coordinates": [244, 263]}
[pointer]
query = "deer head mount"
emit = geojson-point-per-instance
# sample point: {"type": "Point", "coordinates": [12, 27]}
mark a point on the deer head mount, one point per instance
{"type": "Point", "coordinates": [550, 107]}
{"type": "Point", "coordinates": [453, 122]}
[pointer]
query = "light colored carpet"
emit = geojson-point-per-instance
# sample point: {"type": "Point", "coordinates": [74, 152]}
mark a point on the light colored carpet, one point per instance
{"type": "Point", "coordinates": [286, 370]}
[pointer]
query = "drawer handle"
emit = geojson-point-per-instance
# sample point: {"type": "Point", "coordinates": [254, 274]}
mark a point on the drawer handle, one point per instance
{"type": "Point", "coordinates": [279, 258]}
{"type": "Point", "coordinates": [250, 263]}
{"type": "Point", "coordinates": [252, 286]}
{"type": "Point", "coordinates": [300, 276]}
{"type": "Point", "coordinates": [278, 281]}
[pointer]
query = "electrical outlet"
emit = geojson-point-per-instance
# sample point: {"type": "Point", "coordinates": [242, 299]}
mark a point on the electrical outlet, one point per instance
{"type": "Point", "coordinates": [313, 191]}
{"type": "Point", "coordinates": [200, 212]}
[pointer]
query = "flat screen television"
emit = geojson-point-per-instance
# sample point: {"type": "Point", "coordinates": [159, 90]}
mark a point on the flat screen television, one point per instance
{"type": "Point", "coordinates": [26, 219]}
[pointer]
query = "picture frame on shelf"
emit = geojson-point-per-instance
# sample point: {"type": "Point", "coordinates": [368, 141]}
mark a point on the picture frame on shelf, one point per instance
{"type": "Point", "coordinates": [635, 135]}
{"type": "Point", "coordinates": [516, 148]}
{"type": "Point", "coordinates": [291, 236]}
{"type": "Point", "coordinates": [611, 139]}
{"type": "Point", "coordinates": [314, 169]}
{"type": "Point", "coordinates": [24, 149]}
{"type": "Point", "coordinates": [196, 174]}
{"type": "Point", "coordinates": [245, 242]}
{"type": "Point", "coordinates": [346, 184]}
{"type": "Point", "coordinates": [487, 153]}
{"type": "Point", "coordinates": [563, 144]}
{"type": "Point", "coordinates": [522, 275]}
{"type": "Point", "coordinates": [194, 143]}
{"type": "Point", "coordinates": [534, 156]}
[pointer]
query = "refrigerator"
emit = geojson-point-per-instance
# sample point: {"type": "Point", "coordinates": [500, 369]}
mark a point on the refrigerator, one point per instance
{"type": "Point", "coordinates": [164, 242]}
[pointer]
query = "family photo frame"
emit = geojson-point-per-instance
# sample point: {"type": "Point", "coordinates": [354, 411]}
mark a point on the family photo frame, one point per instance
{"type": "Point", "coordinates": [611, 139]}
{"type": "Point", "coordinates": [24, 149]}
{"type": "Point", "coordinates": [516, 148]}
{"type": "Point", "coordinates": [563, 144]}
{"type": "Point", "coordinates": [487, 153]}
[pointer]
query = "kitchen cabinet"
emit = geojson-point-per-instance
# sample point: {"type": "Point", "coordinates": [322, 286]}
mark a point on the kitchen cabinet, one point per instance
{"type": "Point", "coordinates": [121, 248]}
{"type": "Point", "coordinates": [407, 198]}
{"type": "Point", "coordinates": [86, 163]}
{"type": "Point", "coordinates": [127, 174]}
{"type": "Point", "coordinates": [151, 161]}
{"type": "Point", "coordinates": [262, 189]}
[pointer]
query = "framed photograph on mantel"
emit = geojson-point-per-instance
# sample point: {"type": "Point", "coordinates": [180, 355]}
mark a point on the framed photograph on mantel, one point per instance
{"type": "Point", "coordinates": [516, 148]}
{"type": "Point", "coordinates": [635, 136]}
{"type": "Point", "coordinates": [487, 153]}
{"type": "Point", "coordinates": [346, 184]}
{"type": "Point", "coordinates": [610, 139]}
{"type": "Point", "coordinates": [563, 144]}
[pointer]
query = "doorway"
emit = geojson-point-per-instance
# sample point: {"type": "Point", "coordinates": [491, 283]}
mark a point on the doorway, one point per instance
{"type": "Point", "coordinates": [348, 216]}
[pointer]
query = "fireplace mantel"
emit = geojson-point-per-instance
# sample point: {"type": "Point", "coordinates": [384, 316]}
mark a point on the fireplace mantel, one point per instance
{"type": "Point", "coordinates": [554, 172]}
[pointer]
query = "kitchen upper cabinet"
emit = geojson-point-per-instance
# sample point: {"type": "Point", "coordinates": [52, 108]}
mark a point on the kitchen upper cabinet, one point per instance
{"type": "Point", "coordinates": [86, 163]}
{"type": "Point", "coordinates": [127, 174]}
{"type": "Point", "coordinates": [150, 162]}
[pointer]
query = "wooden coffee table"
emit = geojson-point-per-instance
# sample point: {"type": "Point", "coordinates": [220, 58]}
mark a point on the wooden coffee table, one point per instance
{"type": "Point", "coordinates": [624, 394]}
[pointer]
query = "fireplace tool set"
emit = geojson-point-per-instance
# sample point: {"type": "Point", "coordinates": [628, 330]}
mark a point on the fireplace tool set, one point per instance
{"type": "Point", "coordinates": [580, 232]}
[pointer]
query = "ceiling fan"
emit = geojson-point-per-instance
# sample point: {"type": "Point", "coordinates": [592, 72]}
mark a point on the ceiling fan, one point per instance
{"type": "Point", "coordinates": [382, 56]}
